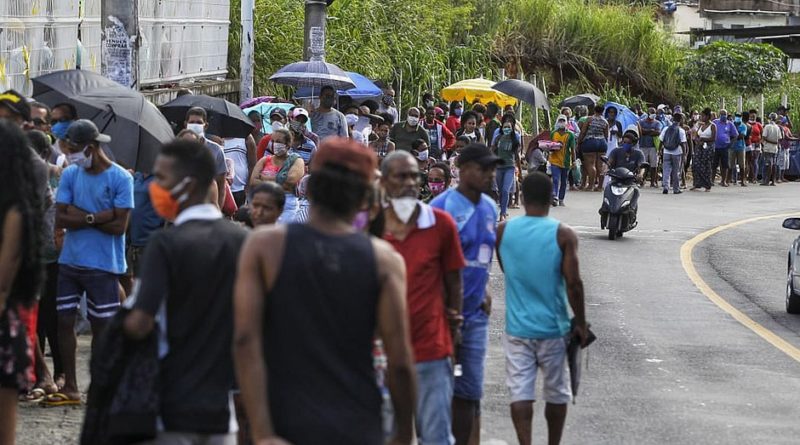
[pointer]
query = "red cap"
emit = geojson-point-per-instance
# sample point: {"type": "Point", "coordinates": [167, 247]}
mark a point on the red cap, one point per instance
{"type": "Point", "coordinates": [348, 154]}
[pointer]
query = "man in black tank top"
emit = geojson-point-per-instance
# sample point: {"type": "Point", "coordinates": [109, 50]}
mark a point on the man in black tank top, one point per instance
{"type": "Point", "coordinates": [308, 302]}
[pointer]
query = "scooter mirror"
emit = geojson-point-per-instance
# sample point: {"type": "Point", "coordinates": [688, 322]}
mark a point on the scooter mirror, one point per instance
{"type": "Point", "coordinates": [791, 223]}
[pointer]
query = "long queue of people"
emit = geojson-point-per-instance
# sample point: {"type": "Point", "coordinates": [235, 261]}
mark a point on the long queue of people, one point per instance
{"type": "Point", "coordinates": [362, 319]}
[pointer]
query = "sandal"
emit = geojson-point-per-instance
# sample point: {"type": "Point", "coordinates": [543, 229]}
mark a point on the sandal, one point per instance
{"type": "Point", "coordinates": [59, 399]}
{"type": "Point", "coordinates": [35, 395]}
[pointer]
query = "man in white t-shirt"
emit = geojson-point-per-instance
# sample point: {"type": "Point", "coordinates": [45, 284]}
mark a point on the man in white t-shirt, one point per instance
{"type": "Point", "coordinates": [770, 137]}
{"type": "Point", "coordinates": [673, 140]}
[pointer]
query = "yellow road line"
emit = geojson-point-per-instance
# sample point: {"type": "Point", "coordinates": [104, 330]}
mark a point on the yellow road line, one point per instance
{"type": "Point", "coordinates": [686, 259]}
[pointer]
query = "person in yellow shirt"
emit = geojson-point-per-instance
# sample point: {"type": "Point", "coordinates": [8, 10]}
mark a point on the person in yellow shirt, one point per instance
{"type": "Point", "coordinates": [562, 159]}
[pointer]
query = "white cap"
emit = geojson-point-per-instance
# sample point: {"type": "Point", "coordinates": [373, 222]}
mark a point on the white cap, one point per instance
{"type": "Point", "coordinates": [298, 111]}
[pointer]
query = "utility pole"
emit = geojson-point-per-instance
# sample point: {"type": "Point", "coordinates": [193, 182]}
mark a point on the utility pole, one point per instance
{"type": "Point", "coordinates": [316, 15]}
{"type": "Point", "coordinates": [246, 62]}
{"type": "Point", "coordinates": [119, 43]}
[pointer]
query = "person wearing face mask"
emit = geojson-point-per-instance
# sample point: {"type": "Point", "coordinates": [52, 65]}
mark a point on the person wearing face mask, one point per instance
{"type": "Point", "coordinates": [327, 121]}
{"type": "Point", "coordinates": [197, 121]}
{"type": "Point", "coordinates": [427, 239]}
{"type": "Point", "coordinates": [441, 138]}
{"type": "Point", "coordinates": [352, 120]}
{"type": "Point", "coordinates": [277, 119]}
{"type": "Point", "coordinates": [438, 179]}
{"type": "Point", "coordinates": [453, 122]}
{"type": "Point", "coordinates": [287, 169]}
{"type": "Point", "coordinates": [651, 129]}
{"type": "Point", "coordinates": [387, 104]}
{"type": "Point", "coordinates": [702, 165]}
{"type": "Point", "coordinates": [561, 160]}
{"type": "Point", "coordinates": [674, 142]}
{"type": "Point", "coordinates": [506, 146]}
{"type": "Point", "coordinates": [756, 129]}
{"type": "Point", "coordinates": [93, 203]}
{"type": "Point", "coordinates": [404, 134]}
{"type": "Point", "coordinates": [300, 144]}
{"type": "Point", "coordinates": [737, 153]}
{"type": "Point", "coordinates": [727, 133]}
{"type": "Point", "coordinates": [258, 125]}
{"type": "Point", "coordinates": [627, 155]}
{"type": "Point", "coordinates": [475, 213]}
{"type": "Point", "coordinates": [195, 312]}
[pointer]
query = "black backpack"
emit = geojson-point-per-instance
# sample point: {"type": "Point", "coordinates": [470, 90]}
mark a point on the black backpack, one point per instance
{"type": "Point", "coordinates": [672, 138]}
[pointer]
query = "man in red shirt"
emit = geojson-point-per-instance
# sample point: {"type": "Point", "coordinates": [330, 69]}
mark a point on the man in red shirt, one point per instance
{"type": "Point", "coordinates": [427, 238]}
{"type": "Point", "coordinates": [754, 147]}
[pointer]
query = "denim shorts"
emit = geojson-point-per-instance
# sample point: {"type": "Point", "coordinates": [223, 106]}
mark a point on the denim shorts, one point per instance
{"type": "Point", "coordinates": [101, 287]}
{"type": "Point", "coordinates": [471, 356]}
{"type": "Point", "coordinates": [525, 357]}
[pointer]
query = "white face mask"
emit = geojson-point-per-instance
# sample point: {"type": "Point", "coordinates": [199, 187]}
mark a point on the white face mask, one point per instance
{"type": "Point", "coordinates": [277, 125]}
{"type": "Point", "coordinates": [404, 207]}
{"type": "Point", "coordinates": [423, 155]}
{"type": "Point", "coordinates": [80, 159]}
{"type": "Point", "coordinates": [198, 129]}
{"type": "Point", "coordinates": [412, 121]}
{"type": "Point", "coordinates": [279, 149]}
{"type": "Point", "coordinates": [560, 125]}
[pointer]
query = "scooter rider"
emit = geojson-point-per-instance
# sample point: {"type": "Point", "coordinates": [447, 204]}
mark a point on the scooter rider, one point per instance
{"type": "Point", "coordinates": [629, 156]}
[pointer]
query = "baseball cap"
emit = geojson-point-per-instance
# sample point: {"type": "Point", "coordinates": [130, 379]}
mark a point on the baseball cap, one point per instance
{"type": "Point", "coordinates": [83, 131]}
{"type": "Point", "coordinates": [479, 153]}
{"type": "Point", "coordinates": [348, 154]}
{"type": "Point", "coordinates": [298, 112]}
{"type": "Point", "coordinates": [17, 103]}
{"type": "Point", "coordinates": [278, 112]}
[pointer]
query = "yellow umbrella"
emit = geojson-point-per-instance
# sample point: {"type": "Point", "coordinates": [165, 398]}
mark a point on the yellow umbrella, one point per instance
{"type": "Point", "coordinates": [481, 89]}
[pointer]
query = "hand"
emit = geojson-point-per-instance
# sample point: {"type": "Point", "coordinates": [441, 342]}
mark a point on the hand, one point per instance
{"type": "Point", "coordinates": [581, 331]}
{"type": "Point", "coordinates": [275, 440]}
{"type": "Point", "coordinates": [486, 306]}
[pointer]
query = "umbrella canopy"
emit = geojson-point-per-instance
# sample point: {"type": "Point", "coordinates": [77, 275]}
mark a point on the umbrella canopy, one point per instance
{"type": "Point", "coordinates": [225, 119]}
{"type": "Point", "coordinates": [524, 91]}
{"type": "Point", "coordinates": [313, 74]}
{"type": "Point", "coordinates": [587, 99]}
{"type": "Point", "coordinates": [266, 108]}
{"type": "Point", "coordinates": [364, 89]}
{"type": "Point", "coordinates": [481, 89]}
{"type": "Point", "coordinates": [624, 115]}
{"type": "Point", "coordinates": [136, 127]}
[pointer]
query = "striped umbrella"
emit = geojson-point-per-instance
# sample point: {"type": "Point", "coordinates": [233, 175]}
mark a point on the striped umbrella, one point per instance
{"type": "Point", "coordinates": [313, 74]}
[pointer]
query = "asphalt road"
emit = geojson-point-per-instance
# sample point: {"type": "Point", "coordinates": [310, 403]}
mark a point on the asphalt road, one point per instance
{"type": "Point", "coordinates": [669, 366]}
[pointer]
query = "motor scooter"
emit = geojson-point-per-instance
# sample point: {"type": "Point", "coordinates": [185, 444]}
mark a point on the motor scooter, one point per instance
{"type": "Point", "coordinates": [620, 201]}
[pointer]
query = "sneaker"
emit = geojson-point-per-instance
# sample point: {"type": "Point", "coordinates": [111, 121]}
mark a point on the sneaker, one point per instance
{"type": "Point", "coordinates": [665, 192]}
{"type": "Point", "coordinates": [561, 203]}
{"type": "Point", "coordinates": [677, 192]}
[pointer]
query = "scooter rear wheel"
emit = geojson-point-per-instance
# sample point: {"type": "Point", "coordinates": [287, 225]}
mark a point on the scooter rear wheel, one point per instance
{"type": "Point", "coordinates": [613, 227]}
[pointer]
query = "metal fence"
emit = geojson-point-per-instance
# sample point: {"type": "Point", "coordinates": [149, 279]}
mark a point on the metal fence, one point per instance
{"type": "Point", "coordinates": [179, 39]}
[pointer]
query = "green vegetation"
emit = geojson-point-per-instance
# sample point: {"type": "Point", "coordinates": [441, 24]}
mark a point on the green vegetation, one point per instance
{"type": "Point", "coordinates": [613, 48]}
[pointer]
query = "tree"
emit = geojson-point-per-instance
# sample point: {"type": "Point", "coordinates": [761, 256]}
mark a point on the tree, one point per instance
{"type": "Point", "coordinates": [745, 67]}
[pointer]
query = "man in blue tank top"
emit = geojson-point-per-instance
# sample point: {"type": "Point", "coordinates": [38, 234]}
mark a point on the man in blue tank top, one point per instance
{"type": "Point", "coordinates": [537, 316]}
{"type": "Point", "coordinates": [475, 214]}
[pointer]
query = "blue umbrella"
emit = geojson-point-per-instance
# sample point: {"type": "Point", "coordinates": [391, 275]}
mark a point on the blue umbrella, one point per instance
{"type": "Point", "coordinates": [364, 89]}
{"type": "Point", "coordinates": [313, 74]}
{"type": "Point", "coordinates": [624, 114]}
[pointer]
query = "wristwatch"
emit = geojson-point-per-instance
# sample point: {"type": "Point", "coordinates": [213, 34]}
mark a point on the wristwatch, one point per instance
{"type": "Point", "coordinates": [90, 219]}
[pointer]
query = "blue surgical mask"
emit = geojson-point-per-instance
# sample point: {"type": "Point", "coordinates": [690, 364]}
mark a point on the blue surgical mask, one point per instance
{"type": "Point", "coordinates": [507, 130]}
{"type": "Point", "coordinates": [60, 129]}
{"type": "Point", "coordinates": [627, 147]}
{"type": "Point", "coordinates": [459, 112]}
{"type": "Point", "coordinates": [737, 120]}
{"type": "Point", "coordinates": [723, 118]}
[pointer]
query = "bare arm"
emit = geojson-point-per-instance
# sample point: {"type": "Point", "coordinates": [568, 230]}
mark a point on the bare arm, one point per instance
{"type": "Point", "coordinates": [10, 253]}
{"type": "Point", "coordinates": [568, 242]}
{"type": "Point", "coordinates": [255, 176]}
{"type": "Point", "coordinates": [394, 331]}
{"type": "Point", "coordinates": [220, 180]}
{"type": "Point", "coordinates": [118, 223]}
{"type": "Point", "coordinates": [111, 221]}
{"type": "Point", "coordinates": [256, 273]}
{"type": "Point", "coordinates": [251, 146]}
{"type": "Point", "coordinates": [501, 228]}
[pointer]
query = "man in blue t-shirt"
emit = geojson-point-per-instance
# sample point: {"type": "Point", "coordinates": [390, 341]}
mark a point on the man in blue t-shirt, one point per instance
{"type": "Point", "coordinates": [475, 214]}
{"type": "Point", "coordinates": [93, 203]}
{"type": "Point", "coordinates": [726, 136]}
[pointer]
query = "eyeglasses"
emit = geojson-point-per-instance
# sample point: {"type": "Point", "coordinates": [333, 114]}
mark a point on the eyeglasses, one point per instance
{"type": "Point", "coordinates": [38, 121]}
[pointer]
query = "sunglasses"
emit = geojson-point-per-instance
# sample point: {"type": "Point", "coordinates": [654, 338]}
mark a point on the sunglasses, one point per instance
{"type": "Point", "coordinates": [38, 121]}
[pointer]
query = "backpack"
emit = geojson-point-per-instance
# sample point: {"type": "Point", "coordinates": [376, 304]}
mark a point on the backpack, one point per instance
{"type": "Point", "coordinates": [672, 138]}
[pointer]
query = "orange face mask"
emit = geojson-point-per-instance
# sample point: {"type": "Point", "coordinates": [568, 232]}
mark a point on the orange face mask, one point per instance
{"type": "Point", "coordinates": [164, 202]}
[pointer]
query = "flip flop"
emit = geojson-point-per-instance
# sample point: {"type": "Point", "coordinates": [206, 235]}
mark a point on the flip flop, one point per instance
{"type": "Point", "coordinates": [59, 399]}
{"type": "Point", "coordinates": [33, 396]}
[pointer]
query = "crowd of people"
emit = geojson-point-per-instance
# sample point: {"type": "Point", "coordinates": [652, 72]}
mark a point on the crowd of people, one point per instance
{"type": "Point", "coordinates": [326, 282]}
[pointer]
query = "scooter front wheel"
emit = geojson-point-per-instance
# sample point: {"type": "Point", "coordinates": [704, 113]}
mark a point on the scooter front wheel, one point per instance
{"type": "Point", "coordinates": [613, 226]}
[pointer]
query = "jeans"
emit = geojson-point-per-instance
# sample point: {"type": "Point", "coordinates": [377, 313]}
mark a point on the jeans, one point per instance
{"type": "Point", "coordinates": [434, 422]}
{"type": "Point", "coordinates": [560, 175]}
{"type": "Point", "coordinates": [471, 355]}
{"type": "Point", "coordinates": [505, 180]}
{"type": "Point", "coordinates": [672, 171]}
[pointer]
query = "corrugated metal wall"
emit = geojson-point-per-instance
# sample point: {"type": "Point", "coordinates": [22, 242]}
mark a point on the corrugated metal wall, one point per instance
{"type": "Point", "coordinates": [180, 39]}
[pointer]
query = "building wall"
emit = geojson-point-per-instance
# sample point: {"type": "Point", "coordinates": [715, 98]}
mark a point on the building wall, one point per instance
{"type": "Point", "coordinates": [747, 20]}
{"type": "Point", "coordinates": [685, 18]}
{"type": "Point", "coordinates": [749, 5]}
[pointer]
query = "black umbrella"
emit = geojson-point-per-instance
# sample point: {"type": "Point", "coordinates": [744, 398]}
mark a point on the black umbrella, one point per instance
{"type": "Point", "coordinates": [524, 91]}
{"type": "Point", "coordinates": [587, 99]}
{"type": "Point", "coordinates": [575, 359]}
{"type": "Point", "coordinates": [225, 119]}
{"type": "Point", "coordinates": [136, 127]}
{"type": "Point", "coordinates": [313, 74]}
